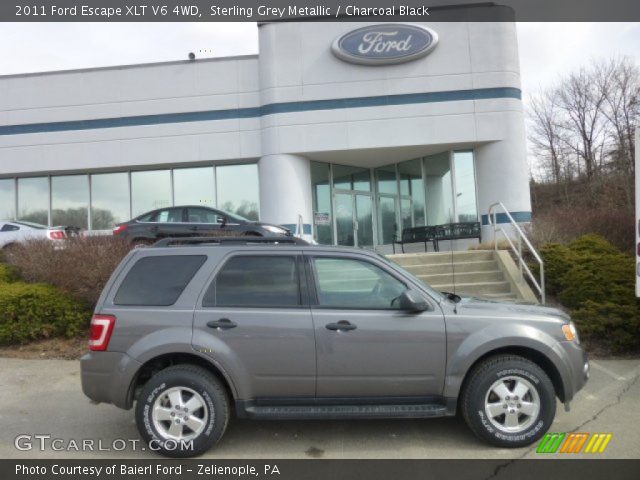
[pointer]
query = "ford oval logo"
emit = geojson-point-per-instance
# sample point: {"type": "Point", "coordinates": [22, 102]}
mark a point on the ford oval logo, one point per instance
{"type": "Point", "coordinates": [384, 44]}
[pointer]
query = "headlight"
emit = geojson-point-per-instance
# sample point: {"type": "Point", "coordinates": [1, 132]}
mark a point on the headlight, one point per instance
{"type": "Point", "coordinates": [570, 332]}
{"type": "Point", "coordinates": [274, 229]}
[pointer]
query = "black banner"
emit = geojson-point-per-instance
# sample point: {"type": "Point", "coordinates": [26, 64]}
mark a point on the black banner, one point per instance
{"type": "Point", "coordinates": [318, 10]}
{"type": "Point", "coordinates": [541, 469]}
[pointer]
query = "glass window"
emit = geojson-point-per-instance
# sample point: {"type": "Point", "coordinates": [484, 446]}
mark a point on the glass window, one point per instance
{"type": "Point", "coordinates": [170, 215]}
{"type": "Point", "coordinates": [238, 191]}
{"type": "Point", "coordinates": [158, 281]}
{"type": "Point", "coordinates": [348, 283]}
{"type": "Point", "coordinates": [351, 178]}
{"type": "Point", "coordinates": [7, 199]}
{"type": "Point", "coordinates": [150, 190]}
{"type": "Point", "coordinates": [70, 201]}
{"type": "Point", "coordinates": [322, 203]}
{"type": "Point", "coordinates": [411, 185]}
{"type": "Point", "coordinates": [109, 200]}
{"type": "Point", "coordinates": [465, 186]}
{"type": "Point", "coordinates": [7, 227]}
{"type": "Point", "coordinates": [194, 186]}
{"type": "Point", "coordinates": [439, 189]}
{"type": "Point", "coordinates": [387, 219]}
{"type": "Point", "coordinates": [33, 200]}
{"type": "Point", "coordinates": [386, 178]}
{"type": "Point", "coordinates": [202, 215]}
{"type": "Point", "coordinates": [254, 281]}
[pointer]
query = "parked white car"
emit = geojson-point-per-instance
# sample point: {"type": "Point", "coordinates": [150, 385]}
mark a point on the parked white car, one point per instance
{"type": "Point", "coordinates": [12, 231]}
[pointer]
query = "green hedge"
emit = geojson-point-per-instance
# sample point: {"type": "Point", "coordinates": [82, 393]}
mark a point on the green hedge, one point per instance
{"type": "Point", "coordinates": [597, 283]}
{"type": "Point", "coordinates": [6, 274]}
{"type": "Point", "coordinates": [31, 311]}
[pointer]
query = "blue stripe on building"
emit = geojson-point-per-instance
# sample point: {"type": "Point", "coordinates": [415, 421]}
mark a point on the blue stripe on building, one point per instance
{"type": "Point", "coordinates": [520, 217]}
{"type": "Point", "coordinates": [269, 109]}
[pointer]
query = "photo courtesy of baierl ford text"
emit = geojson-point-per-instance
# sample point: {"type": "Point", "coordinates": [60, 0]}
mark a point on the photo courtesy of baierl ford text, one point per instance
{"type": "Point", "coordinates": [304, 240]}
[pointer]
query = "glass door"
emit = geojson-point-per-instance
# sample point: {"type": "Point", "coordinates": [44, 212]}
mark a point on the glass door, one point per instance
{"type": "Point", "coordinates": [354, 219]}
{"type": "Point", "coordinates": [406, 212]}
{"type": "Point", "coordinates": [364, 222]}
{"type": "Point", "coordinates": [345, 225]}
{"type": "Point", "coordinates": [387, 218]}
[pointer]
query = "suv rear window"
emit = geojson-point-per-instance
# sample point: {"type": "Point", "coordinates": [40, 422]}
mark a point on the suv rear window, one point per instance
{"type": "Point", "coordinates": [255, 281]}
{"type": "Point", "coordinates": [158, 281]}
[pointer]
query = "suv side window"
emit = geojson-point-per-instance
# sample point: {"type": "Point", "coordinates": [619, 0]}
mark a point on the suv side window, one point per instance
{"type": "Point", "coordinates": [202, 215]}
{"type": "Point", "coordinates": [255, 281]}
{"type": "Point", "coordinates": [158, 281]}
{"type": "Point", "coordinates": [355, 284]}
{"type": "Point", "coordinates": [7, 227]}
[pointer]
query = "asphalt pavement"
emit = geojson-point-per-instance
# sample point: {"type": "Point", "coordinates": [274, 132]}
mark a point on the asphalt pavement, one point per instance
{"type": "Point", "coordinates": [43, 398]}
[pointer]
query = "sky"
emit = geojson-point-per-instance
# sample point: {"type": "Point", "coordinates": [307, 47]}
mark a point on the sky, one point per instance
{"type": "Point", "coordinates": [547, 50]}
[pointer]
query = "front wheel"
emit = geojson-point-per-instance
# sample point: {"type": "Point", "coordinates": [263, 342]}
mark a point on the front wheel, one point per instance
{"type": "Point", "coordinates": [508, 401]}
{"type": "Point", "coordinates": [182, 411]}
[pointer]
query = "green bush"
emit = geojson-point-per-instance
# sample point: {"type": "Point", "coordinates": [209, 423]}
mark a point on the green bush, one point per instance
{"type": "Point", "coordinates": [6, 274]}
{"type": "Point", "coordinates": [597, 283]}
{"type": "Point", "coordinates": [35, 311]}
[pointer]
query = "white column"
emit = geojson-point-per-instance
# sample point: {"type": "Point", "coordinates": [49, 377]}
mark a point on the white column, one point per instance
{"type": "Point", "coordinates": [503, 175]}
{"type": "Point", "coordinates": [285, 190]}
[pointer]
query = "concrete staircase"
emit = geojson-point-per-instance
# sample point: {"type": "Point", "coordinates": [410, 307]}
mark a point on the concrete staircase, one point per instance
{"type": "Point", "coordinates": [479, 273]}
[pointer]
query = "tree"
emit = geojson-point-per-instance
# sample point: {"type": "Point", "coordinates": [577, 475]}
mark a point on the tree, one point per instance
{"type": "Point", "coordinates": [581, 96]}
{"type": "Point", "coordinates": [545, 136]}
{"type": "Point", "coordinates": [622, 109]}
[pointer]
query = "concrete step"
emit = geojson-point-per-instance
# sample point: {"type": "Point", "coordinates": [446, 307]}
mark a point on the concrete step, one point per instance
{"type": "Point", "coordinates": [501, 296]}
{"type": "Point", "coordinates": [442, 257]}
{"type": "Point", "coordinates": [462, 277]}
{"type": "Point", "coordinates": [475, 288]}
{"type": "Point", "coordinates": [458, 267]}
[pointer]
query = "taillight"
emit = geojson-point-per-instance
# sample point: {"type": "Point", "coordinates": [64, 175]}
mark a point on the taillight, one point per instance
{"type": "Point", "coordinates": [101, 329]}
{"type": "Point", "coordinates": [119, 229]}
{"type": "Point", "coordinates": [57, 234]}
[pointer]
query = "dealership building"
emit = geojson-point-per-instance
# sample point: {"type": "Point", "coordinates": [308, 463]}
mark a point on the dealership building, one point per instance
{"type": "Point", "coordinates": [353, 130]}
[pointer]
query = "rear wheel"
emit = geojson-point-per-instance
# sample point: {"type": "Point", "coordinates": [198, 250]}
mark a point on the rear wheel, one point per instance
{"type": "Point", "coordinates": [508, 401]}
{"type": "Point", "coordinates": [182, 411]}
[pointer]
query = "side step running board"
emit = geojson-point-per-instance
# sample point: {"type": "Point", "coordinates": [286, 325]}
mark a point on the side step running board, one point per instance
{"type": "Point", "coordinates": [346, 411]}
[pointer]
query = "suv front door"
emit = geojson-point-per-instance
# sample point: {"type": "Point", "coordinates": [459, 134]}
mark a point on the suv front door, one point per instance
{"type": "Point", "coordinates": [254, 318]}
{"type": "Point", "coordinates": [366, 345]}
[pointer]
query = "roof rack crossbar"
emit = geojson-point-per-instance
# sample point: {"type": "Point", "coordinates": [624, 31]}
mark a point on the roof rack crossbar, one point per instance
{"type": "Point", "coordinates": [185, 241]}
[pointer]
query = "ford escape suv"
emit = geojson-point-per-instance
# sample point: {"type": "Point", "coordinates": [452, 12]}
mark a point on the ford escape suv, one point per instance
{"type": "Point", "coordinates": [279, 329]}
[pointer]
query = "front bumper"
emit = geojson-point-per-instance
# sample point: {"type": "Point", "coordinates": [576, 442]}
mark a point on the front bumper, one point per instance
{"type": "Point", "coordinates": [107, 377]}
{"type": "Point", "coordinates": [579, 369]}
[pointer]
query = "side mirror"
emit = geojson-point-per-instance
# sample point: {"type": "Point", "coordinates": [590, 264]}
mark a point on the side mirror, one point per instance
{"type": "Point", "coordinates": [413, 301]}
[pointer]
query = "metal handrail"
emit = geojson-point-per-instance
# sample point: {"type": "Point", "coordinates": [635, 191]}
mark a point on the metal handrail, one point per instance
{"type": "Point", "coordinates": [492, 216]}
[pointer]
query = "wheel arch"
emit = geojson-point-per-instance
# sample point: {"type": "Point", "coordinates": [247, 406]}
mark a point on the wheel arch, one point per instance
{"type": "Point", "coordinates": [162, 361]}
{"type": "Point", "coordinates": [529, 353]}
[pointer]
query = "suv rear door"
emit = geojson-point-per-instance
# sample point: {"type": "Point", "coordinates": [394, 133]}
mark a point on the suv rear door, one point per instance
{"type": "Point", "coordinates": [254, 318]}
{"type": "Point", "coordinates": [366, 346]}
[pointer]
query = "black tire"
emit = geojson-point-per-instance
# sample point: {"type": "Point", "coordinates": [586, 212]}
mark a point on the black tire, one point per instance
{"type": "Point", "coordinates": [477, 390]}
{"type": "Point", "coordinates": [216, 409]}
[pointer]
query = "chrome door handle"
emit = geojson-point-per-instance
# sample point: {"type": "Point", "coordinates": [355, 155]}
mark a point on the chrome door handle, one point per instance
{"type": "Point", "coordinates": [341, 326]}
{"type": "Point", "coordinates": [222, 324]}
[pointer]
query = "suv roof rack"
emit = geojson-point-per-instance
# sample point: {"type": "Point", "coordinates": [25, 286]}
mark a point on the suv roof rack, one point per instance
{"type": "Point", "coordinates": [246, 240]}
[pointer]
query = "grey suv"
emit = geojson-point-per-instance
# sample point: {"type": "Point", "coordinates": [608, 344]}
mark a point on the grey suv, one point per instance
{"type": "Point", "coordinates": [283, 330]}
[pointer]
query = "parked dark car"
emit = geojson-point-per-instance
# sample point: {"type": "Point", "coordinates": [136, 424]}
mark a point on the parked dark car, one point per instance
{"type": "Point", "coordinates": [192, 221]}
